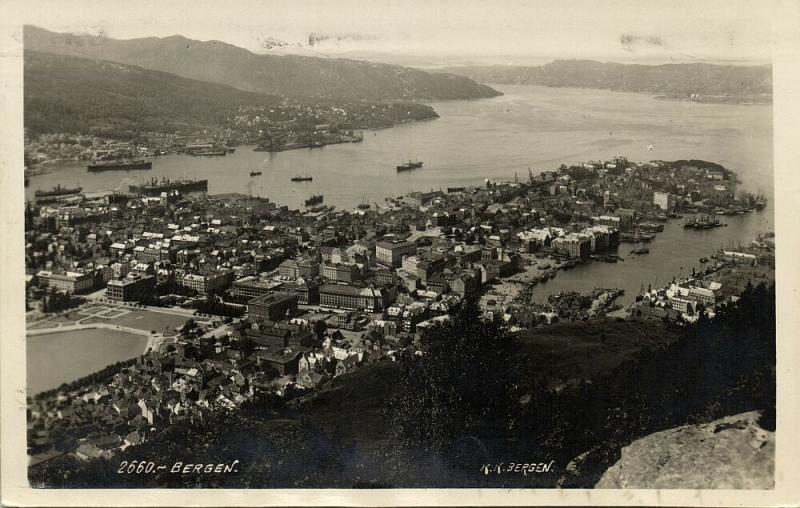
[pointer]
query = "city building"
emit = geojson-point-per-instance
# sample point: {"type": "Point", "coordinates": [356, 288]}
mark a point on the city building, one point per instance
{"type": "Point", "coordinates": [272, 306]}
{"type": "Point", "coordinates": [664, 200]}
{"type": "Point", "coordinates": [207, 282]}
{"type": "Point", "coordinates": [69, 282]}
{"type": "Point", "coordinates": [124, 290]}
{"type": "Point", "coordinates": [572, 245]}
{"type": "Point", "coordinates": [341, 272]}
{"type": "Point", "coordinates": [391, 253]}
{"type": "Point", "coordinates": [352, 298]}
{"type": "Point", "coordinates": [252, 287]}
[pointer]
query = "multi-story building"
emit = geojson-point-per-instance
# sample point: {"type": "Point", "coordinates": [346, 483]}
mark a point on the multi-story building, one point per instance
{"type": "Point", "coordinates": [353, 298]}
{"type": "Point", "coordinates": [307, 291]}
{"type": "Point", "coordinates": [205, 283]}
{"type": "Point", "coordinates": [121, 269]}
{"type": "Point", "coordinates": [341, 272]}
{"type": "Point", "coordinates": [572, 245]}
{"type": "Point", "coordinates": [664, 200]}
{"type": "Point", "coordinates": [705, 296]}
{"type": "Point", "coordinates": [293, 268]}
{"type": "Point", "coordinates": [251, 287]}
{"type": "Point", "coordinates": [151, 254]}
{"type": "Point", "coordinates": [123, 290]}
{"type": "Point", "coordinates": [683, 305]}
{"type": "Point", "coordinates": [69, 282]}
{"type": "Point", "coordinates": [384, 277]}
{"type": "Point", "coordinates": [391, 253]}
{"type": "Point", "coordinates": [608, 220]}
{"type": "Point", "coordinates": [272, 306]}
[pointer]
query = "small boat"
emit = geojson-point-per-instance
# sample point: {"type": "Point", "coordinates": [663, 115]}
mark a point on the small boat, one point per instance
{"type": "Point", "coordinates": [650, 146]}
{"type": "Point", "coordinates": [302, 178]}
{"type": "Point", "coordinates": [363, 206]}
{"type": "Point", "coordinates": [408, 166]}
{"type": "Point", "coordinates": [640, 250]}
{"type": "Point", "coordinates": [313, 200]}
{"type": "Point", "coordinates": [58, 190]}
{"type": "Point", "coordinates": [255, 173]}
{"type": "Point", "coordinates": [704, 260]}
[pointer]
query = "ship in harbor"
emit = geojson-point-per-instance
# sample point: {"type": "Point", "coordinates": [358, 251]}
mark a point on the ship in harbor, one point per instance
{"type": "Point", "coordinates": [314, 200]}
{"type": "Point", "coordinates": [57, 191]}
{"type": "Point", "coordinates": [216, 152]}
{"type": "Point", "coordinates": [116, 163]}
{"type": "Point", "coordinates": [302, 178]}
{"type": "Point", "coordinates": [703, 223]}
{"type": "Point", "coordinates": [408, 166]}
{"type": "Point", "coordinates": [155, 186]}
{"type": "Point", "coordinates": [205, 149]}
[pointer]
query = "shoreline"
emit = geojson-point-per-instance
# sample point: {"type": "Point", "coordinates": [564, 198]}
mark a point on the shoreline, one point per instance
{"type": "Point", "coordinates": [154, 341]}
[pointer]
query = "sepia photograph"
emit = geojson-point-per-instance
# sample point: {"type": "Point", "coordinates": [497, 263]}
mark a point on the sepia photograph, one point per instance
{"type": "Point", "coordinates": [395, 245]}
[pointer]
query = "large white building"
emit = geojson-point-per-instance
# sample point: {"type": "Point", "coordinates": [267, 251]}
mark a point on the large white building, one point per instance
{"type": "Point", "coordinates": [391, 253]}
{"type": "Point", "coordinates": [664, 200]}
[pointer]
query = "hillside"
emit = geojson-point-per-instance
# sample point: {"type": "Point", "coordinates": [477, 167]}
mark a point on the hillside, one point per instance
{"type": "Point", "coordinates": [571, 401]}
{"type": "Point", "coordinates": [668, 79]}
{"type": "Point", "coordinates": [288, 75]}
{"type": "Point", "coordinates": [71, 94]}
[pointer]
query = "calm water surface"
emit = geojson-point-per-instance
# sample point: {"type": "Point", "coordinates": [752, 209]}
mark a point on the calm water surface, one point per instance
{"type": "Point", "coordinates": [529, 127]}
{"type": "Point", "coordinates": [56, 358]}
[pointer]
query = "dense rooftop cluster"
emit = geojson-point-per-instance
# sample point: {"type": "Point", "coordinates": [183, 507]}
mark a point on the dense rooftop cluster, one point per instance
{"type": "Point", "coordinates": [309, 295]}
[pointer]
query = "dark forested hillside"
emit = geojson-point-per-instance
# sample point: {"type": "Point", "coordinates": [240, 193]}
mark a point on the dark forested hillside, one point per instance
{"type": "Point", "coordinates": [696, 78]}
{"type": "Point", "coordinates": [476, 396]}
{"type": "Point", "coordinates": [71, 94]}
{"type": "Point", "coordinates": [293, 76]}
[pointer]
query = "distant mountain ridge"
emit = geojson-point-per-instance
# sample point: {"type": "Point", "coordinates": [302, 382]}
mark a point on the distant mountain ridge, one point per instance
{"type": "Point", "coordinates": [287, 75]}
{"type": "Point", "coordinates": [669, 79]}
{"type": "Point", "coordinates": [80, 95]}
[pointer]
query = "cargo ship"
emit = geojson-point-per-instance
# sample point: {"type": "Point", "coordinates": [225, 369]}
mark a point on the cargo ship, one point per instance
{"type": "Point", "coordinates": [302, 178]}
{"type": "Point", "coordinates": [408, 166]}
{"type": "Point", "coordinates": [703, 223]}
{"type": "Point", "coordinates": [217, 152]}
{"type": "Point", "coordinates": [155, 187]}
{"type": "Point", "coordinates": [314, 200]}
{"type": "Point", "coordinates": [57, 191]}
{"type": "Point", "coordinates": [116, 164]}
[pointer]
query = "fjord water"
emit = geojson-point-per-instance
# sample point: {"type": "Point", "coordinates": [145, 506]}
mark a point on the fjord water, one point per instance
{"type": "Point", "coordinates": [528, 127]}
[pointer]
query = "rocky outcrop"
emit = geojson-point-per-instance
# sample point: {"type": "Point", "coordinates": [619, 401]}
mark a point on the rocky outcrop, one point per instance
{"type": "Point", "coordinates": [730, 453]}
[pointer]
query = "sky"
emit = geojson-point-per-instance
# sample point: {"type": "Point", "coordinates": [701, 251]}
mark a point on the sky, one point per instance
{"type": "Point", "coordinates": [487, 31]}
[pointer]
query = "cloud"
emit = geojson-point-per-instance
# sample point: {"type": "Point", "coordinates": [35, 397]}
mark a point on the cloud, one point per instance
{"type": "Point", "coordinates": [632, 42]}
{"type": "Point", "coordinates": [315, 39]}
{"type": "Point", "coordinates": [268, 43]}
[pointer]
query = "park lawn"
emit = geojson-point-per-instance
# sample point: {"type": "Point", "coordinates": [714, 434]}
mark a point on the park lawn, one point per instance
{"type": "Point", "coordinates": [145, 320]}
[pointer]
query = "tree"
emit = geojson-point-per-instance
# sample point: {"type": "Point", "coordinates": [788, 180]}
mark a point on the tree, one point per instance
{"type": "Point", "coordinates": [188, 325]}
{"type": "Point", "coordinates": [461, 385]}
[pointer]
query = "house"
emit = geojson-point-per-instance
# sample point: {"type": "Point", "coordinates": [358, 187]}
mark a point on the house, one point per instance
{"type": "Point", "coordinates": [312, 379]}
